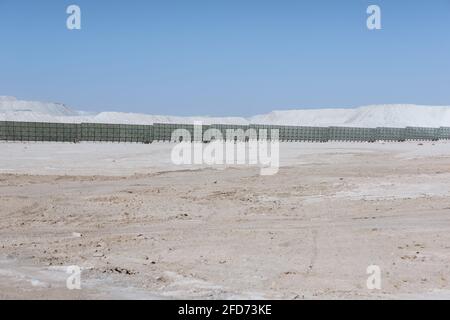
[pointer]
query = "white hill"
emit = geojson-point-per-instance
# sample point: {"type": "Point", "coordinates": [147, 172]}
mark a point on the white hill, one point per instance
{"type": "Point", "coordinates": [400, 116]}
{"type": "Point", "coordinates": [305, 117]}
{"type": "Point", "coordinates": [395, 115]}
{"type": "Point", "coordinates": [391, 115]}
{"type": "Point", "coordinates": [10, 105]}
{"type": "Point", "coordinates": [137, 118]}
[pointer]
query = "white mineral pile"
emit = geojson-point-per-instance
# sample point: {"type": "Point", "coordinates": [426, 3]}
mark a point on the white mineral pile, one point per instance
{"type": "Point", "coordinates": [394, 115]}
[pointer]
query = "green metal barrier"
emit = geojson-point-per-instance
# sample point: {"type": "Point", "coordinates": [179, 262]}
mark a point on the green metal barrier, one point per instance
{"type": "Point", "coordinates": [2, 130]}
{"type": "Point", "coordinates": [103, 132]}
{"type": "Point", "coordinates": [390, 134]}
{"type": "Point", "coordinates": [444, 133]}
{"type": "Point", "coordinates": [421, 133]}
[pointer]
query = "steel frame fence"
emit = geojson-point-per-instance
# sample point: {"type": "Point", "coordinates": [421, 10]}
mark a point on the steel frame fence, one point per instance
{"type": "Point", "coordinates": [390, 134]}
{"type": "Point", "coordinates": [104, 132]}
{"type": "Point", "coordinates": [420, 133]}
{"type": "Point", "coordinates": [444, 133]}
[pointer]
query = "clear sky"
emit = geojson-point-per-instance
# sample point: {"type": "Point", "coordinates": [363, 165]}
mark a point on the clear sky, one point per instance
{"type": "Point", "coordinates": [225, 57]}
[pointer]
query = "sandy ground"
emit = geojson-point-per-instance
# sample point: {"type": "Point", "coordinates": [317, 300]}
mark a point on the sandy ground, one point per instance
{"type": "Point", "coordinates": [142, 228]}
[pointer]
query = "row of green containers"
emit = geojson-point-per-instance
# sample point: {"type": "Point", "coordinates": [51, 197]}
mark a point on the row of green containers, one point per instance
{"type": "Point", "coordinates": [65, 132]}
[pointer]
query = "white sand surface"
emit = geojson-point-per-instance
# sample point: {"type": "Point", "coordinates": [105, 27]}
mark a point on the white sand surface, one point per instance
{"type": "Point", "coordinates": [141, 227]}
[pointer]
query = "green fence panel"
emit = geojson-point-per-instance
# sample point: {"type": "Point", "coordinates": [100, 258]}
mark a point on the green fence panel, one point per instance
{"type": "Point", "coordinates": [162, 132]}
{"type": "Point", "coordinates": [339, 133]}
{"type": "Point", "coordinates": [229, 132]}
{"type": "Point", "coordinates": [3, 130]}
{"type": "Point", "coordinates": [390, 134]}
{"type": "Point", "coordinates": [288, 133]}
{"type": "Point", "coordinates": [267, 132]}
{"type": "Point", "coordinates": [444, 133]}
{"type": "Point", "coordinates": [422, 133]}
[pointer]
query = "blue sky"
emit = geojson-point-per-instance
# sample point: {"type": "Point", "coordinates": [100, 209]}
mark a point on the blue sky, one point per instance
{"type": "Point", "coordinates": [225, 57]}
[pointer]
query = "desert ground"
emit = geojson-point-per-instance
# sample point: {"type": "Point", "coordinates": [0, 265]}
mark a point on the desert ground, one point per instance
{"type": "Point", "coordinates": [142, 228]}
